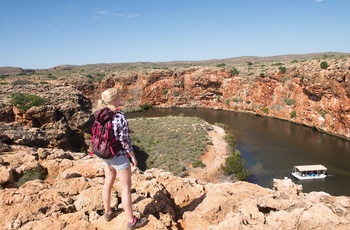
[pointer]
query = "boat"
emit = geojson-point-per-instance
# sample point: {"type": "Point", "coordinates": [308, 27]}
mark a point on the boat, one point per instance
{"type": "Point", "coordinates": [307, 172]}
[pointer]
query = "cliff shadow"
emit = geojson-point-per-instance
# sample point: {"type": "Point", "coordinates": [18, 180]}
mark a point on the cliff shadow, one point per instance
{"type": "Point", "coordinates": [141, 157]}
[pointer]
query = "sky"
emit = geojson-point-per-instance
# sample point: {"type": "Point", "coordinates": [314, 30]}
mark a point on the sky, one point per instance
{"type": "Point", "coordinates": [41, 34]}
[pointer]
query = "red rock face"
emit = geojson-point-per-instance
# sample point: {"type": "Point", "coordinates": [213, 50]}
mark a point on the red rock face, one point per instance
{"type": "Point", "coordinates": [304, 94]}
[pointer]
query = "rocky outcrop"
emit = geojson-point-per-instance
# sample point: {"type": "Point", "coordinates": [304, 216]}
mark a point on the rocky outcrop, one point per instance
{"type": "Point", "coordinates": [69, 194]}
{"type": "Point", "coordinates": [62, 122]}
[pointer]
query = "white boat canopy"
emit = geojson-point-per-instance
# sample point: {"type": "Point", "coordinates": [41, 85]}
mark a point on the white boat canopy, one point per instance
{"type": "Point", "coordinates": [304, 168]}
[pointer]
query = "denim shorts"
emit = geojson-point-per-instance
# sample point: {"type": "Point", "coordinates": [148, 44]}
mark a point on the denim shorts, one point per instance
{"type": "Point", "coordinates": [118, 162]}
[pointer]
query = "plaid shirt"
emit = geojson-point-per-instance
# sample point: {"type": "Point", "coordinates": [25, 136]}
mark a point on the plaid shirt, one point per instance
{"type": "Point", "coordinates": [121, 131]}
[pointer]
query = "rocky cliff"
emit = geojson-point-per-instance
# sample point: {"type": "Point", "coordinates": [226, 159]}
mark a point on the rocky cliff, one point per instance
{"type": "Point", "coordinates": [70, 198]}
{"type": "Point", "coordinates": [299, 92]}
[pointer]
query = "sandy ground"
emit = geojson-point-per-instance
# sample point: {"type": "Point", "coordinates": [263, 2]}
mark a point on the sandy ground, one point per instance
{"type": "Point", "coordinates": [213, 158]}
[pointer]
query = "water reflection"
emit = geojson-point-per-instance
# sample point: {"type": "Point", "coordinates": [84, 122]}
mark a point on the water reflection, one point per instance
{"type": "Point", "coordinates": [272, 147]}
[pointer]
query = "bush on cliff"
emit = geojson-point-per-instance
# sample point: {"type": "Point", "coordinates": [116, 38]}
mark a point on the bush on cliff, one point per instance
{"type": "Point", "coordinates": [324, 65]}
{"type": "Point", "coordinates": [25, 101]}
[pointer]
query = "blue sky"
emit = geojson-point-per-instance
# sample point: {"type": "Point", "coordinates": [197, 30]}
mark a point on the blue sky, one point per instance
{"type": "Point", "coordinates": [47, 33]}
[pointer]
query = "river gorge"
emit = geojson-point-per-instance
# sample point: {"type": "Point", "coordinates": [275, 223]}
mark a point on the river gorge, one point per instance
{"type": "Point", "coordinates": [272, 147]}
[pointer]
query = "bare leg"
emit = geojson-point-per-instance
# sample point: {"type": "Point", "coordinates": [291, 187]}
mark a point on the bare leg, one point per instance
{"type": "Point", "coordinates": [110, 175]}
{"type": "Point", "coordinates": [124, 177]}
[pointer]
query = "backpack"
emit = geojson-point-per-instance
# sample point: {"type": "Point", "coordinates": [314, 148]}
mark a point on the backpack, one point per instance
{"type": "Point", "coordinates": [103, 141]}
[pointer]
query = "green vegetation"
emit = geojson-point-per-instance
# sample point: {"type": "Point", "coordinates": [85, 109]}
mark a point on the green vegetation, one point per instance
{"type": "Point", "coordinates": [282, 69]}
{"type": "Point", "coordinates": [22, 82]}
{"type": "Point", "coordinates": [164, 91]}
{"type": "Point", "coordinates": [324, 65]}
{"type": "Point", "coordinates": [221, 65]}
{"type": "Point", "coordinates": [145, 106]}
{"type": "Point", "coordinates": [173, 143]}
{"type": "Point", "coordinates": [293, 114]}
{"type": "Point", "coordinates": [198, 163]}
{"type": "Point", "coordinates": [222, 125]}
{"type": "Point", "coordinates": [170, 143]}
{"type": "Point", "coordinates": [100, 76]}
{"type": "Point", "coordinates": [265, 110]}
{"type": "Point", "coordinates": [322, 113]}
{"type": "Point", "coordinates": [235, 164]}
{"type": "Point", "coordinates": [31, 175]}
{"type": "Point", "coordinates": [234, 71]}
{"type": "Point", "coordinates": [277, 64]}
{"type": "Point", "coordinates": [51, 76]}
{"type": "Point", "coordinates": [289, 101]}
{"type": "Point", "coordinates": [26, 101]}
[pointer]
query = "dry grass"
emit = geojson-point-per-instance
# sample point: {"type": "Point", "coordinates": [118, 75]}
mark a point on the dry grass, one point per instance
{"type": "Point", "coordinates": [169, 143]}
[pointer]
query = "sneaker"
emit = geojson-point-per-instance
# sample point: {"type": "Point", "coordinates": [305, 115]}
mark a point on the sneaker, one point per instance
{"type": "Point", "coordinates": [111, 215]}
{"type": "Point", "coordinates": [137, 223]}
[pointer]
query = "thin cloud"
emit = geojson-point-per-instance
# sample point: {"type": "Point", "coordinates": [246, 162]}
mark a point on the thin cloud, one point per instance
{"type": "Point", "coordinates": [54, 28]}
{"type": "Point", "coordinates": [133, 15]}
{"type": "Point", "coordinates": [317, 1]}
{"type": "Point", "coordinates": [117, 14]}
{"type": "Point", "coordinates": [101, 12]}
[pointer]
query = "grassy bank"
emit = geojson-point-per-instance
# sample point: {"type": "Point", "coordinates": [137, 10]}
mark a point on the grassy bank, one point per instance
{"type": "Point", "coordinates": [173, 143]}
{"type": "Point", "coordinates": [169, 143]}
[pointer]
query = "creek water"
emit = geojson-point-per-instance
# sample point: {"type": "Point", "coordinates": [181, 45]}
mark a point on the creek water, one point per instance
{"type": "Point", "coordinates": [272, 147]}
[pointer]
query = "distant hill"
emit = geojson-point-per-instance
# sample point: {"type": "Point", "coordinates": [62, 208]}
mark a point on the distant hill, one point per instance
{"type": "Point", "coordinates": [11, 71]}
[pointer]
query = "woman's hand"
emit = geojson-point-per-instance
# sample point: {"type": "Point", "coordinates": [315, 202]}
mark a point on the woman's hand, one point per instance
{"type": "Point", "coordinates": [133, 162]}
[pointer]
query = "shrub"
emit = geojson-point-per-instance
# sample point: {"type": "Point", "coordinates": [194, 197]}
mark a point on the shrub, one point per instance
{"type": "Point", "coordinates": [145, 106]}
{"type": "Point", "coordinates": [235, 165]}
{"type": "Point", "coordinates": [282, 69]}
{"type": "Point", "coordinates": [221, 125]}
{"type": "Point", "coordinates": [324, 65]}
{"type": "Point", "coordinates": [322, 113]}
{"type": "Point", "coordinates": [31, 175]}
{"type": "Point", "coordinates": [26, 101]}
{"type": "Point", "coordinates": [198, 163]}
{"type": "Point", "coordinates": [234, 71]}
{"type": "Point", "coordinates": [164, 91]}
{"type": "Point", "coordinates": [293, 114]}
{"type": "Point", "coordinates": [51, 76]}
{"type": "Point", "coordinates": [221, 65]}
{"type": "Point", "coordinates": [276, 64]}
{"type": "Point", "coordinates": [230, 141]}
{"type": "Point", "coordinates": [265, 110]}
{"type": "Point", "coordinates": [22, 82]}
{"type": "Point", "coordinates": [289, 101]}
{"type": "Point", "coordinates": [100, 76]}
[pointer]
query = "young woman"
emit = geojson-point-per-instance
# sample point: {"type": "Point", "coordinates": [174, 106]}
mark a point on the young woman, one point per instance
{"type": "Point", "coordinates": [119, 166]}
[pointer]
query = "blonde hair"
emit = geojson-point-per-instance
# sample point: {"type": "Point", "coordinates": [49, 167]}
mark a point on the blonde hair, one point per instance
{"type": "Point", "coordinates": [107, 97]}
